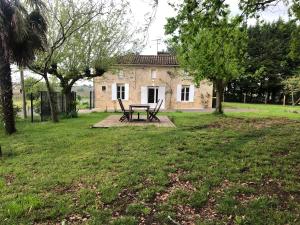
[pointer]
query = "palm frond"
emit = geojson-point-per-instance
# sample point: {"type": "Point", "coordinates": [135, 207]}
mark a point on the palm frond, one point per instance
{"type": "Point", "coordinates": [18, 26]}
{"type": "Point", "coordinates": [21, 33]}
{"type": "Point", "coordinates": [36, 4]}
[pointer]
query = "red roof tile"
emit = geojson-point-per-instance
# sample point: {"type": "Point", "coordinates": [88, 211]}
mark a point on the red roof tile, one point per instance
{"type": "Point", "coordinates": [158, 60]}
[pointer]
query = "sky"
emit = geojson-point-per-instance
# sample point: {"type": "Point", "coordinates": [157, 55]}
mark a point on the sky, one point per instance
{"type": "Point", "coordinates": [140, 8]}
{"type": "Point", "coordinates": [165, 10]}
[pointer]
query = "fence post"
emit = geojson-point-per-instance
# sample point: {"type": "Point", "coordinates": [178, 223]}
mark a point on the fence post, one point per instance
{"type": "Point", "coordinates": [93, 99]}
{"type": "Point", "coordinates": [31, 105]}
{"type": "Point", "coordinates": [90, 100]}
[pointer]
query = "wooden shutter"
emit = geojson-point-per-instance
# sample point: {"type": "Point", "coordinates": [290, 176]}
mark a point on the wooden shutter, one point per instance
{"type": "Point", "coordinates": [178, 96]}
{"type": "Point", "coordinates": [144, 95]}
{"type": "Point", "coordinates": [126, 92]}
{"type": "Point", "coordinates": [192, 93]}
{"type": "Point", "coordinates": [161, 95]}
{"type": "Point", "coordinates": [114, 91]}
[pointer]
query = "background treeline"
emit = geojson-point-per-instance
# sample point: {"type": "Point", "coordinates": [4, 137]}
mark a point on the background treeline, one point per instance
{"type": "Point", "coordinates": [272, 58]}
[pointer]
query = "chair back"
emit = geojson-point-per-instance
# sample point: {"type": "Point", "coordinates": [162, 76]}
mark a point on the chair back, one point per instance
{"type": "Point", "coordinates": [158, 108]}
{"type": "Point", "coordinates": [156, 105]}
{"type": "Point", "coordinates": [121, 104]}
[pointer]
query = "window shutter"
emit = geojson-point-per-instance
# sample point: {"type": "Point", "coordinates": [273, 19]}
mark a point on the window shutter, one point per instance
{"type": "Point", "coordinates": [179, 86]}
{"type": "Point", "coordinates": [161, 95]}
{"type": "Point", "coordinates": [126, 92]}
{"type": "Point", "coordinates": [192, 93]}
{"type": "Point", "coordinates": [114, 91]}
{"type": "Point", "coordinates": [144, 95]}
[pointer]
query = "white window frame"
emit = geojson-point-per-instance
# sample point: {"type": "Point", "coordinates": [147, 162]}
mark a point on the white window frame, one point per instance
{"type": "Point", "coordinates": [186, 94]}
{"type": "Point", "coordinates": [122, 92]}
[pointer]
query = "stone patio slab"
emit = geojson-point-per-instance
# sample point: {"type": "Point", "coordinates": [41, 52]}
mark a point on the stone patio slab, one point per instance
{"type": "Point", "coordinates": [113, 121]}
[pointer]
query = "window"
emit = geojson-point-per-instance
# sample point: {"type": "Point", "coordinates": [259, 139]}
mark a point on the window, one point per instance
{"type": "Point", "coordinates": [152, 94]}
{"type": "Point", "coordinates": [185, 93]}
{"type": "Point", "coordinates": [121, 91]}
{"type": "Point", "coordinates": [121, 74]}
{"type": "Point", "coordinates": [153, 73]}
{"type": "Point", "coordinates": [103, 88]}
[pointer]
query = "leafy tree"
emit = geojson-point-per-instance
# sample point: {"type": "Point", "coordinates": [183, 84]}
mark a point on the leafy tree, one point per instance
{"type": "Point", "coordinates": [269, 62]}
{"type": "Point", "coordinates": [296, 9]}
{"type": "Point", "coordinates": [294, 53]}
{"type": "Point", "coordinates": [33, 86]}
{"type": "Point", "coordinates": [292, 86]}
{"type": "Point", "coordinates": [95, 45]}
{"type": "Point", "coordinates": [209, 45]}
{"type": "Point", "coordinates": [65, 18]}
{"type": "Point", "coordinates": [22, 33]}
{"type": "Point", "coordinates": [83, 36]}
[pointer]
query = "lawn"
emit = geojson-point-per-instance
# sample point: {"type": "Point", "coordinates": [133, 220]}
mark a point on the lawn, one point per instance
{"type": "Point", "coordinates": [241, 168]}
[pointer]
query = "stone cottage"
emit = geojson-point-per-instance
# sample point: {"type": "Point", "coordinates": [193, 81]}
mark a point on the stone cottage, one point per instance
{"type": "Point", "coordinates": [144, 79]}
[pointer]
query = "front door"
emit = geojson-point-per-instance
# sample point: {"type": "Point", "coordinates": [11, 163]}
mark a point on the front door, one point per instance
{"type": "Point", "coordinates": [152, 96]}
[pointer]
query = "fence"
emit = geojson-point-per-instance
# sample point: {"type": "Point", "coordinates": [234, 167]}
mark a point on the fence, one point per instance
{"type": "Point", "coordinates": [40, 106]}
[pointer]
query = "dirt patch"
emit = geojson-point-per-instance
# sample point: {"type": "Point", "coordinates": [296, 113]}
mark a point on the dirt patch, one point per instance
{"type": "Point", "coordinates": [77, 219]}
{"type": "Point", "coordinates": [74, 219]}
{"type": "Point", "coordinates": [271, 188]}
{"type": "Point", "coordinates": [125, 198]}
{"type": "Point", "coordinates": [282, 153]}
{"type": "Point", "coordinates": [208, 211]}
{"type": "Point", "coordinates": [175, 184]}
{"type": "Point", "coordinates": [239, 123]}
{"type": "Point", "coordinates": [185, 214]}
{"type": "Point", "coordinates": [9, 179]}
{"type": "Point", "coordinates": [73, 188]}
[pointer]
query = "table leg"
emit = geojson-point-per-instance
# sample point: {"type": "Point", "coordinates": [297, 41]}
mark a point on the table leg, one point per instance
{"type": "Point", "coordinates": [147, 115]}
{"type": "Point", "coordinates": [130, 114]}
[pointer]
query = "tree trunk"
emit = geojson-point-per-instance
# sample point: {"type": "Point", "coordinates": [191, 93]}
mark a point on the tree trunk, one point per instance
{"type": "Point", "coordinates": [67, 92]}
{"type": "Point", "coordinates": [266, 97]}
{"type": "Point", "coordinates": [219, 95]}
{"type": "Point", "coordinates": [23, 92]}
{"type": "Point", "coordinates": [293, 100]}
{"type": "Point", "coordinates": [6, 95]}
{"type": "Point", "coordinates": [54, 116]}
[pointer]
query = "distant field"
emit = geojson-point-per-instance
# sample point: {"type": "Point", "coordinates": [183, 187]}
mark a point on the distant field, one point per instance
{"type": "Point", "coordinates": [240, 168]}
{"type": "Point", "coordinates": [266, 110]}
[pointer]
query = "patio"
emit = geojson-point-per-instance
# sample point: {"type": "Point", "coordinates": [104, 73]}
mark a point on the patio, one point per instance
{"type": "Point", "coordinates": [113, 121]}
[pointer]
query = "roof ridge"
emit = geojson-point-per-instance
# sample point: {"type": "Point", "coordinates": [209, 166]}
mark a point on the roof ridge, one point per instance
{"type": "Point", "coordinates": [168, 60]}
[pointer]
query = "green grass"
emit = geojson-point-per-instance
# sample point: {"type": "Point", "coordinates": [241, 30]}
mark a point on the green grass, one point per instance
{"type": "Point", "coordinates": [241, 168]}
{"type": "Point", "coordinates": [268, 110]}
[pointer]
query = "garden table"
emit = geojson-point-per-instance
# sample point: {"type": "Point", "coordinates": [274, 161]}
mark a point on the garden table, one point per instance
{"type": "Point", "coordinates": [140, 106]}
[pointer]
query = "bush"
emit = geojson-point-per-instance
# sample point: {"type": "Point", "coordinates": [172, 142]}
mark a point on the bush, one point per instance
{"type": "Point", "coordinates": [17, 109]}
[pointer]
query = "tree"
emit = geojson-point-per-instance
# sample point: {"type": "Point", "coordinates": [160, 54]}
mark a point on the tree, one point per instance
{"type": "Point", "coordinates": [83, 37]}
{"type": "Point", "coordinates": [23, 92]}
{"type": "Point", "coordinates": [296, 9]}
{"type": "Point", "coordinates": [269, 62]}
{"type": "Point", "coordinates": [292, 86]}
{"type": "Point", "coordinates": [22, 33]}
{"type": "Point", "coordinates": [33, 86]}
{"type": "Point", "coordinates": [95, 45]}
{"type": "Point", "coordinates": [209, 45]}
{"type": "Point", "coordinates": [65, 18]}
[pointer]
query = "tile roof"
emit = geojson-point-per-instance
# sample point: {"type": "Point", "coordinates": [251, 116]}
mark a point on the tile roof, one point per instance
{"type": "Point", "coordinates": [158, 60]}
